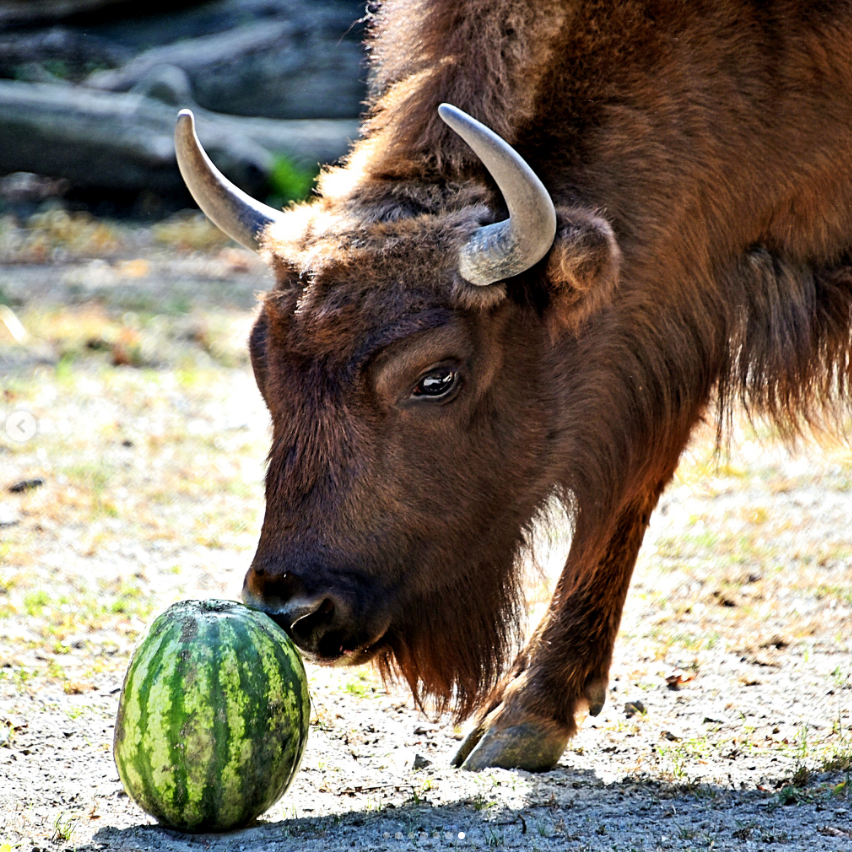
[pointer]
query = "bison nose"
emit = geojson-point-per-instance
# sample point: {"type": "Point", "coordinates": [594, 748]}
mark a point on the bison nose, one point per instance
{"type": "Point", "coordinates": [311, 622]}
{"type": "Point", "coordinates": [317, 620]}
{"type": "Point", "coordinates": [307, 620]}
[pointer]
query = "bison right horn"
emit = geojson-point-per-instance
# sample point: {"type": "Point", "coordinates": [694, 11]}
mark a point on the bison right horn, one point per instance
{"type": "Point", "coordinates": [225, 205]}
{"type": "Point", "coordinates": [507, 248]}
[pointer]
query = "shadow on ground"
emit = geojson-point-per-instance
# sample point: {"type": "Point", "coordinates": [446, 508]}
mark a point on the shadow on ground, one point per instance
{"type": "Point", "coordinates": [563, 809]}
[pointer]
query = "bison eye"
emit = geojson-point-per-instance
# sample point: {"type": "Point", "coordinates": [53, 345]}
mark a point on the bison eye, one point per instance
{"type": "Point", "coordinates": [436, 384]}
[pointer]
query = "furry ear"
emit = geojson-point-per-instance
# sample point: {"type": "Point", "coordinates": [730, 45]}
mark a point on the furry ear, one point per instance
{"type": "Point", "coordinates": [582, 268]}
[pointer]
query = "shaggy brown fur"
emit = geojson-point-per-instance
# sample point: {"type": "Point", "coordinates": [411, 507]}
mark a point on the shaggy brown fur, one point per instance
{"type": "Point", "coordinates": [700, 156]}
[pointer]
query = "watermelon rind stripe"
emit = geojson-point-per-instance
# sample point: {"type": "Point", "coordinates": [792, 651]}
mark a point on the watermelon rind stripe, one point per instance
{"type": "Point", "coordinates": [268, 733]}
{"type": "Point", "coordinates": [151, 668]}
{"type": "Point", "coordinates": [176, 703]}
{"type": "Point", "coordinates": [159, 784]}
{"type": "Point", "coordinates": [229, 780]}
{"type": "Point", "coordinates": [196, 747]}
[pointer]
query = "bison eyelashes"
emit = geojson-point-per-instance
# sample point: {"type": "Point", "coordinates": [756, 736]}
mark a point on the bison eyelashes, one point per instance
{"type": "Point", "coordinates": [438, 384]}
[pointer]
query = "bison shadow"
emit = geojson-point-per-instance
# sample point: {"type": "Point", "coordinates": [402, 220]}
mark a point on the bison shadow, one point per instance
{"type": "Point", "coordinates": [561, 809]}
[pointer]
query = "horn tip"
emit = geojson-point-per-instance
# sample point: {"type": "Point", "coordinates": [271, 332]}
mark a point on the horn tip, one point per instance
{"type": "Point", "coordinates": [461, 122]}
{"type": "Point", "coordinates": [448, 111]}
{"type": "Point", "coordinates": [184, 131]}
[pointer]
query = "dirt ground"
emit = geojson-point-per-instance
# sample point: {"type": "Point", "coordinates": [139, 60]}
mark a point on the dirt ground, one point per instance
{"type": "Point", "coordinates": [132, 442]}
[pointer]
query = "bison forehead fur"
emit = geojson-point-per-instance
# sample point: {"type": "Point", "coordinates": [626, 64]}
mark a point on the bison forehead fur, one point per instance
{"type": "Point", "coordinates": [340, 280]}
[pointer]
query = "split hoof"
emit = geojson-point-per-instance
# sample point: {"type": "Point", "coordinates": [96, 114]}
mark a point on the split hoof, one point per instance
{"type": "Point", "coordinates": [528, 746]}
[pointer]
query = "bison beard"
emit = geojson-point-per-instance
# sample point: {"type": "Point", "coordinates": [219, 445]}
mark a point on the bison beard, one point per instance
{"type": "Point", "coordinates": [451, 653]}
{"type": "Point", "coordinates": [686, 168]}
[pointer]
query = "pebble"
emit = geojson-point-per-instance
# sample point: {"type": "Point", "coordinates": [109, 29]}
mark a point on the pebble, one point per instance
{"type": "Point", "coordinates": [8, 517]}
{"type": "Point", "coordinates": [26, 485]}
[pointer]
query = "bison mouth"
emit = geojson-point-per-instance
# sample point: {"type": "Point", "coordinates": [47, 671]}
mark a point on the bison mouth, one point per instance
{"type": "Point", "coordinates": [336, 652]}
{"type": "Point", "coordinates": [324, 642]}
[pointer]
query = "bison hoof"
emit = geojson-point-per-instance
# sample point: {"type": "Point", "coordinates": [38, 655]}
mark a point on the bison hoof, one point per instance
{"type": "Point", "coordinates": [528, 746]}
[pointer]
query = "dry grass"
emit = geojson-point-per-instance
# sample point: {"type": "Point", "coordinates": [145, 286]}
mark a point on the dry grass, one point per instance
{"type": "Point", "coordinates": [150, 444]}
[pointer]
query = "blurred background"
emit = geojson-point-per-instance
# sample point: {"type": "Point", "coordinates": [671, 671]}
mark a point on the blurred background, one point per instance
{"type": "Point", "coordinates": [89, 90]}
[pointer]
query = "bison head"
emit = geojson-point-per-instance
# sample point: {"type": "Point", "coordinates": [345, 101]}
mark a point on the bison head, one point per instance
{"type": "Point", "coordinates": [406, 355]}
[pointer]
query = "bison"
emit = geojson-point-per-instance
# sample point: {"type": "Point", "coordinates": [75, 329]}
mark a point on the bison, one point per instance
{"type": "Point", "coordinates": [625, 218]}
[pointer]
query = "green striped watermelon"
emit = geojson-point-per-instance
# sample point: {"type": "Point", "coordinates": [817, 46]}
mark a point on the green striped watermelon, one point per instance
{"type": "Point", "coordinates": [213, 716]}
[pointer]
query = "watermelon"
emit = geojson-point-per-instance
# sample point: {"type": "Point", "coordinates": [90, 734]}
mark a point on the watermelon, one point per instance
{"type": "Point", "coordinates": [212, 718]}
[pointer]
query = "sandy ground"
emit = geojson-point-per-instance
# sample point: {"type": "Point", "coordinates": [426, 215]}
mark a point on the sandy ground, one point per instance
{"type": "Point", "coordinates": [727, 724]}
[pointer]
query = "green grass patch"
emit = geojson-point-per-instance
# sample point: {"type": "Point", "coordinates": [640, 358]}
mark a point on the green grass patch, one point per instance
{"type": "Point", "coordinates": [838, 593]}
{"type": "Point", "coordinates": [723, 549]}
{"type": "Point", "coordinates": [687, 545]}
{"type": "Point", "coordinates": [64, 370]}
{"type": "Point", "coordinates": [61, 614]}
{"type": "Point", "coordinates": [672, 637]}
{"type": "Point", "coordinates": [93, 476]}
{"type": "Point", "coordinates": [360, 686]}
{"type": "Point", "coordinates": [130, 601]}
{"type": "Point", "coordinates": [290, 182]}
{"type": "Point", "coordinates": [35, 602]}
{"type": "Point", "coordinates": [6, 583]}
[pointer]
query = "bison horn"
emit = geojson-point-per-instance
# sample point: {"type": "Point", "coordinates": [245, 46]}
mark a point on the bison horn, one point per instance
{"type": "Point", "coordinates": [507, 248]}
{"type": "Point", "coordinates": [225, 205]}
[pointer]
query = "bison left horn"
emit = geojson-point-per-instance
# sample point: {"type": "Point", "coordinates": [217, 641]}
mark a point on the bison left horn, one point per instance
{"type": "Point", "coordinates": [507, 248]}
{"type": "Point", "coordinates": [225, 205]}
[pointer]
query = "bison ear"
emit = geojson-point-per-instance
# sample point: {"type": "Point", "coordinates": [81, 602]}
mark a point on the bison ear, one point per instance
{"type": "Point", "coordinates": [582, 267]}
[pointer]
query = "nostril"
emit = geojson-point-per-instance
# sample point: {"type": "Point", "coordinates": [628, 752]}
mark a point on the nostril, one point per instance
{"type": "Point", "coordinates": [323, 608]}
{"type": "Point", "coordinates": [298, 609]}
{"type": "Point", "coordinates": [307, 620]}
{"type": "Point", "coordinates": [310, 626]}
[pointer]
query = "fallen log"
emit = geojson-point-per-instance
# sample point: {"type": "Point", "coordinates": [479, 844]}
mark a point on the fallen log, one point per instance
{"type": "Point", "coordinates": [60, 51]}
{"type": "Point", "coordinates": [309, 65]}
{"type": "Point", "coordinates": [27, 12]}
{"type": "Point", "coordinates": [124, 141]}
{"type": "Point", "coordinates": [30, 12]}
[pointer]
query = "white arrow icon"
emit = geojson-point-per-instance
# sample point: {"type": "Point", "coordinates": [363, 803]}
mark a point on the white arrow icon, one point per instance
{"type": "Point", "coordinates": [20, 426]}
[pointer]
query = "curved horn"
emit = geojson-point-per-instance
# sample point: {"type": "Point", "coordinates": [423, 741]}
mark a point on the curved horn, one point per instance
{"type": "Point", "coordinates": [507, 248]}
{"type": "Point", "coordinates": [225, 205]}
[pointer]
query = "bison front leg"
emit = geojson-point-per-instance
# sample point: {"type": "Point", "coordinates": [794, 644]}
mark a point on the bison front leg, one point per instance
{"type": "Point", "coordinates": [562, 674]}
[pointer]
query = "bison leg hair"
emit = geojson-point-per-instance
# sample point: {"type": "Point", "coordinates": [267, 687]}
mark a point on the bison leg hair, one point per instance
{"type": "Point", "coordinates": [562, 674]}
